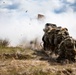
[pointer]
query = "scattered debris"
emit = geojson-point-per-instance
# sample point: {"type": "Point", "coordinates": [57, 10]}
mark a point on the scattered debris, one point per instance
{"type": "Point", "coordinates": [40, 16]}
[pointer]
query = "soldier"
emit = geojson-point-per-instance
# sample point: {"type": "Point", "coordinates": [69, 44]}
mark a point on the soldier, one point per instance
{"type": "Point", "coordinates": [67, 50]}
{"type": "Point", "coordinates": [45, 40]}
{"type": "Point", "coordinates": [61, 34]}
{"type": "Point", "coordinates": [57, 40]}
{"type": "Point", "coordinates": [48, 36]}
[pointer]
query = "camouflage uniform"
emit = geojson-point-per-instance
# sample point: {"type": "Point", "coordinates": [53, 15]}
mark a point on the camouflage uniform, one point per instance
{"type": "Point", "coordinates": [61, 34]}
{"type": "Point", "coordinates": [57, 40]}
{"type": "Point", "coordinates": [46, 42]}
{"type": "Point", "coordinates": [67, 50]}
{"type": "Point", "coordinates": [48, 37]}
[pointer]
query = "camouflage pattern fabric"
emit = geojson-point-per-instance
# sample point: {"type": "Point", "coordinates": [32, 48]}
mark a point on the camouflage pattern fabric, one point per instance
{"type": "Point", "coordinates": [67, 49]}
{"type": "Point", "coordinates": [48, 37]}
{"type": "Point", "coordinates": [57, 40]}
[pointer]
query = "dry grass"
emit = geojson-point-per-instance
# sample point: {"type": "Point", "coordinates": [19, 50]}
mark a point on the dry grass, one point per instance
{"type": "Point", "coordinates": [16, 52]}
{"type": "Point", "coordinates": [31, 64]}
{"type": "Point", "coordinates": [35, 67]}
{"type": "Point", "coordinates": [10, 49]}
{"type": "Point", "coordinates": [24, 67]}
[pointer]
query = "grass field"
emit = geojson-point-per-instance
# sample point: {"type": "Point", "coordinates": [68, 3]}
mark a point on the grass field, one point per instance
{"type": "Point", "coordinates": [19, 61]}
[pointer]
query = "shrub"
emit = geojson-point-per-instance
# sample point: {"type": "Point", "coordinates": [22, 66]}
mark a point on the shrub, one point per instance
{"type": "Point", "coordinates": [4, 42]}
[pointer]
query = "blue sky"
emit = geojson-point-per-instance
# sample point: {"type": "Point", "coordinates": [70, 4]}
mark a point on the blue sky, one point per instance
{"type": "Point", "coordinates": [53, 5]}
{"type": "Point", "coordinates": [16, 23]}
